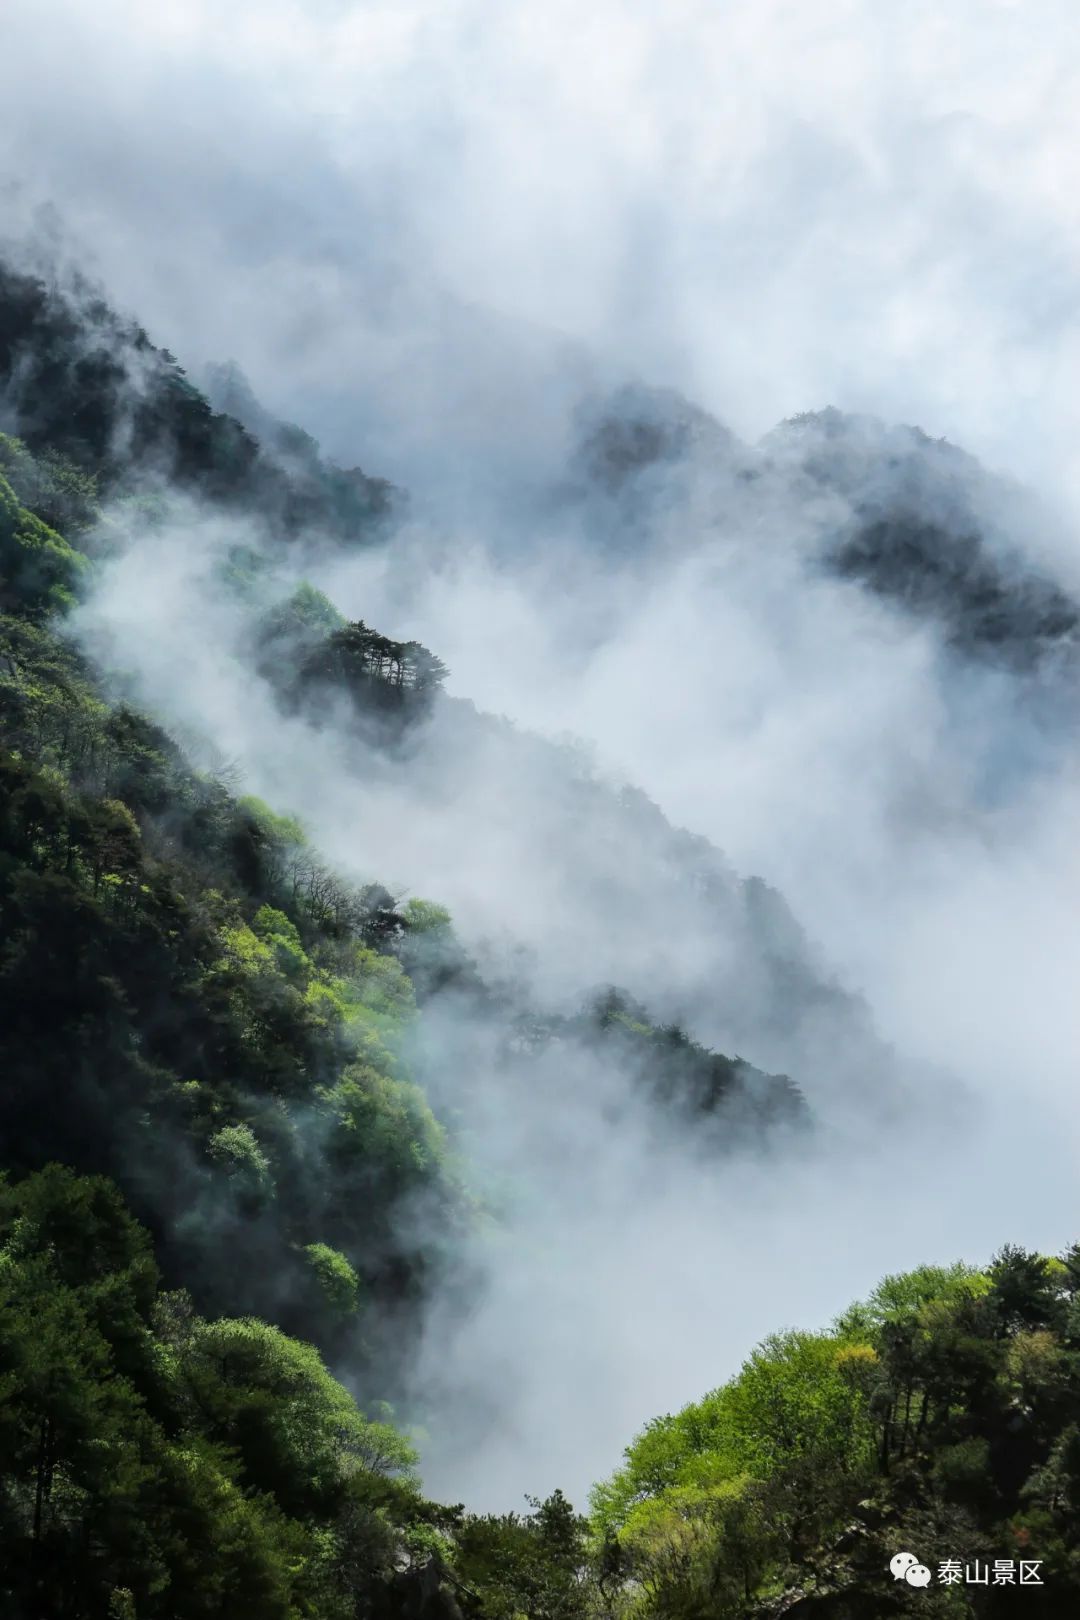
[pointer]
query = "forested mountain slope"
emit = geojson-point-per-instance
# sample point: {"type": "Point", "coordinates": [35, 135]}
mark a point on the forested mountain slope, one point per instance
{"type": "Point", "coordinates": [198, 1007]}
{"type": "Point", "coordinates": [154, 1463]}
{"type": "Point", "coordinates": [213, 1007]}
{"type": "Point", "coordinates": [235, 1088]}
{"type": "Point", "coordinates": [83, 383]}
{"type": "Point", "coordinates": [691, 939]}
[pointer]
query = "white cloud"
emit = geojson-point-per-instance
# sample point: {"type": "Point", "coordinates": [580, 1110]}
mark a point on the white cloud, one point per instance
{"type": "Point", "coordinates": [772, 205]}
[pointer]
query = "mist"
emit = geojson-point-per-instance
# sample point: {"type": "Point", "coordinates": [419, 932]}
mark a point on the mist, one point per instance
{"type": "Point", "coordinates": [403, 211]}
{"type": "Point", "coordinates": [819, 738]}
{"type": "Point", "coordinates": [768, 209]}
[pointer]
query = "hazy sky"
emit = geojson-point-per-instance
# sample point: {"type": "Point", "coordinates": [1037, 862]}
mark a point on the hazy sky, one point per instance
{"type": "Point", "coordinates": [774, 205]}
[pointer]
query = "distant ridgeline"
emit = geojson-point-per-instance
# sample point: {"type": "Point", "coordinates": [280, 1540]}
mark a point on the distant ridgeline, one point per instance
{"type": "Point", "coordinates": [727, 1101]}
{"type": "Point", "coordinates": [925, 533]}
{"type": "Point", "coordinates": [925, 526]}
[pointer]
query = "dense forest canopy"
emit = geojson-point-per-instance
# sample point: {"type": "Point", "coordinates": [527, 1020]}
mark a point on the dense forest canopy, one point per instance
{"type": "Point", "coordinates": [229, 1195]}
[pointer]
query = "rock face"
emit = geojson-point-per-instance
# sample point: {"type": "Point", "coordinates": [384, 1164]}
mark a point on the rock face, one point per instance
{"type": "Point", "coordinates": [420, 1592]}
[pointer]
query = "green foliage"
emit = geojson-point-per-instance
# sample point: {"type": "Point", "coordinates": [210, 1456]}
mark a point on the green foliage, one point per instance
{"type": "Point", "coordinates": [91, 394]}
{"type": "Point", "coordinates": [899, 1298]}
{"type": "Point", "coordinates": [726, 1100]}
{"type": "Point", "coordinates": [386, 680]}
{"type": "Point", "coordinates": [195, 986]}
{"type": "Point", "coordinates": [535, 1564]}
{"type": "Point", "coordinates": [285, 830]}
{"type": "Point", "coordinates": [38, 569]}
{"type": "Point", "coordinates": [381, 1135]}
{"type": "Point", "coordinates": [336, 1277]}
{"type": "Point", "coordinates": [199, 1010]}
{"type": "Point", "coordinates": [425, 917]}
{"type": "Point", "coordinates": [290, 632]}
{"type": "Point", "coordinates": [235, 1148]}
{"type": "Point", "coordinates": [942, 1414]}
{"type": "Point", "coordinates": [274, 929]}
{"type": "Point", "coordinates": [155, 1464]}
{"type": "Point", "coordinates": [272, 1402]}
{"type": "Point", "coordinates": [312, 610]}
{"type": "Point", "coordinates": [791, 1407]}
{"type": "Point", "coordinates": [62, 494]}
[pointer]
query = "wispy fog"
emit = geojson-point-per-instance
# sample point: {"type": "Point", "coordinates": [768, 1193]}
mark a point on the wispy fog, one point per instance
{"type": "Point", "coordinates": [438, 237]}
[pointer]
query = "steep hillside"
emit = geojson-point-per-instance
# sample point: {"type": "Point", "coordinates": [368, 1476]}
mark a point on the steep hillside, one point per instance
{"type": "Point", "coordinates": [81, 382]}
{"type": "Point", "coordinates": [245, 1080]}
{"type": "Point", "coordinates": [695, 943]}
{"type": "Point", "coordinates": [222, 1021]}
